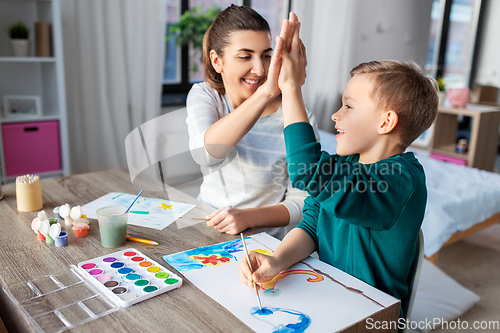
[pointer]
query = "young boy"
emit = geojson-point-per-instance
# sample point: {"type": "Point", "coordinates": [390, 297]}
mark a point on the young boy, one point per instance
{"type": "Point", "coordinates": [367, 202]}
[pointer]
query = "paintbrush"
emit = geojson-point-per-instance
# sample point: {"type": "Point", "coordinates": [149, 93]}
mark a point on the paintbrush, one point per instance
{"type": "Point", "coordinates": [251, 270]}
{"type": "Point", "coordinates": [133, 202]}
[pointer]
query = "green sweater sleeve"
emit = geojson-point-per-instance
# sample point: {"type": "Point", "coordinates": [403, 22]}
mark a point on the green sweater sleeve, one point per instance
{"type": "Point", "coordinates": [310, 218]}
{"type": "Point", "coordinates": [368, 195]}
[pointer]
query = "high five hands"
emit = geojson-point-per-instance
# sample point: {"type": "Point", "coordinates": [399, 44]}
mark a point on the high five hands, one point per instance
{"type": "Point", "coordinates": [288, 70]}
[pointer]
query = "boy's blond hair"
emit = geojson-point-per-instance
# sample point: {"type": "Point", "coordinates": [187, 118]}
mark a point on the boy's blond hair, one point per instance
{"type": "Point", "coordinates": [402, 87]}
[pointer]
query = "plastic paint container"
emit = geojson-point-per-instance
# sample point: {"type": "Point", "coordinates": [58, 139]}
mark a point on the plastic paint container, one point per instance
{"type": "Point", "coordinates": [80, 220]}
{"type": "Point", "coordinates": [62, 239]}
{"type": "Point", "coordinates": [56, 213]}
{"type": "Point", "coordinates": [80, 229]}
{"type": "Point", "coordinates": [49, 240]}
{"type": "Point", "coordinates": [39, 235]}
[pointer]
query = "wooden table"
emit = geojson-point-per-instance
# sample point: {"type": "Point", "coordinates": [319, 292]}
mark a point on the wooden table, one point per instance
{"type": "Point", "coordinates": [23, 257]}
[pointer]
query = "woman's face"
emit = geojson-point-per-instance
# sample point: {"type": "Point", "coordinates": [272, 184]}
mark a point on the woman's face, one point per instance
{"type": "Point", "coordinates": [244, 65]}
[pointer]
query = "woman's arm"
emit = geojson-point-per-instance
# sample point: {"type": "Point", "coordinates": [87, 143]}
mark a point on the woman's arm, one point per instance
{"type": "Point", "coordinates": [225, 134]}
{"type": "Point", "coordinates": [228, 131]}
{"type": "Point", "coordinates": [233, 220]}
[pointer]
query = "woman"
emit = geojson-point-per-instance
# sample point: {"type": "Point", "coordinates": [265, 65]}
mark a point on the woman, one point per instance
{"type": "Point", "coordinates": [235, 126]}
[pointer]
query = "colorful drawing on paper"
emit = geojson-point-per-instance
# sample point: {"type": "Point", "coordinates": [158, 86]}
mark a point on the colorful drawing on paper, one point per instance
{"type": "Point", "coordinates": [207, 256]}
{"type": "Point", "coordinates": [282, 320]}
{"type": "Point", "coordinates": [164, 206]}
{"type": "Point", "coordinates": [211, 260]}
{"type": "Point", "coordinates": [269, 287]}
{"type": "Point", "coordinates": [146, 212]}
{"type": "Point", "coordinates": [301, 299]}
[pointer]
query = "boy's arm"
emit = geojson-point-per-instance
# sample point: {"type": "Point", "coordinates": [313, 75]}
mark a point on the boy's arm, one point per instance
{"type": "Point", "coordinates": [292, 76]}
{"type": "Point", "coordinates": [296, 246]}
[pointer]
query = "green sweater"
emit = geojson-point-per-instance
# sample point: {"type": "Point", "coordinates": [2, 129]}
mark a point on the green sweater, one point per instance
{"type": "Point", "coordinates": [363, 218]}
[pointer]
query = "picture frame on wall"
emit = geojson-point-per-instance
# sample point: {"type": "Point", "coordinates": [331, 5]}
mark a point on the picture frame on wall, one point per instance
{"type": "Point", "coordinates": [21, 106]}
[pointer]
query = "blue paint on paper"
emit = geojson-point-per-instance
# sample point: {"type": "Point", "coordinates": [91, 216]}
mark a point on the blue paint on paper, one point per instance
{"type": "Point", "coordinates": [182, 261]}
{"type": "Point", "coordinates": [299, 325]}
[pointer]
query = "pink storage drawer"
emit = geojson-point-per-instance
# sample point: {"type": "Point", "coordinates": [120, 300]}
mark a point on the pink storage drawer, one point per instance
{"type": "Point", "coordinates": [31, 147]}
{"type": "Point", "coordinates": [450, 159]}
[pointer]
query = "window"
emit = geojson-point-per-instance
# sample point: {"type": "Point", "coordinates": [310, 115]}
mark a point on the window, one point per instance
{"type": "Point", "coordinates": [178, 76]}
{"type": "Point", "coordinates": [454, 30]}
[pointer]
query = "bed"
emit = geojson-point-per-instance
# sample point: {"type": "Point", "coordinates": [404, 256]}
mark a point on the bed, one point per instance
{"type": "Point", "coordinates": [461, 200]}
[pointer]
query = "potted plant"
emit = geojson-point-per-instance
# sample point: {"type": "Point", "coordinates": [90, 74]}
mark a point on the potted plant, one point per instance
{"type": "Point", "coordinates": [191, 28]}
{"type": "Point", "coordinates": [442, 90]}
{"type": "Point", "coordinates": [19, 33]}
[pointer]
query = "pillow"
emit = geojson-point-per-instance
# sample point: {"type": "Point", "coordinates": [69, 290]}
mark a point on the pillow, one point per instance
{"type": "Point", "coordinates": [438, 296]}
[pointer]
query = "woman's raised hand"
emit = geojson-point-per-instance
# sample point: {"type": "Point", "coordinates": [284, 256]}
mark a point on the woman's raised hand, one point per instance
{"type": "Point", "coordinates": [288, 48]}
{"type": "Point", "coordinates": [271, 84]}
{"type": "Point", "coordinates": [294, 60]}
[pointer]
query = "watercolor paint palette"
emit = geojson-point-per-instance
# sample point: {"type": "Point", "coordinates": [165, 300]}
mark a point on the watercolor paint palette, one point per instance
{"type": "Point", "coordinates": [127, 277]}
{"type": "Point", "coordinates": [73, 295]}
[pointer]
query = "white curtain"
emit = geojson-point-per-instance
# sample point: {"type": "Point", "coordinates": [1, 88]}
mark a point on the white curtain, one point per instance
{"type": "Point", "coordinates": [327, 32]}
{"type": "Point", "coordinates": [114, 51]}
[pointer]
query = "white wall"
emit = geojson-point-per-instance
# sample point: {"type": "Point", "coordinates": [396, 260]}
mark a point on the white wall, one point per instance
{"type": "Point", "coordinates": [488, 67]}
{"type": "Point", "coordinates": [391, 29]}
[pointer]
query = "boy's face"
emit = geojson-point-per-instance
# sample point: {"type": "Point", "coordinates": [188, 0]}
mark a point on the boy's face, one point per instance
{"type": "Point", "coordinates": [357, 121]}
{"type": "Point", "coordinates": [245, 64]}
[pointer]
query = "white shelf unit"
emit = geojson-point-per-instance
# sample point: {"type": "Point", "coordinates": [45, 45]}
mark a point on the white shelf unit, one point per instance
{"type": "Point", "coordinates": [38, 76]}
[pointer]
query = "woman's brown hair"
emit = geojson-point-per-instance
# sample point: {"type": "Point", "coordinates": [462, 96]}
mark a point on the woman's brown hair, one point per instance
{"type": "Point", "coordinates": [217, 37]}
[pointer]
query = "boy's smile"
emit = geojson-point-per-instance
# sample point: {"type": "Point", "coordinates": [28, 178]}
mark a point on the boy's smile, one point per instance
{"type": "Point", "coordinates": [358, 121]}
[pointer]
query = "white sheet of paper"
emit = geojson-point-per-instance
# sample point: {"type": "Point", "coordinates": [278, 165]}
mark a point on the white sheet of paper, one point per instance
{"type": "Point", "coordinates": [146, 212]}
{"type": "Point", "coordinates": [307, 296]}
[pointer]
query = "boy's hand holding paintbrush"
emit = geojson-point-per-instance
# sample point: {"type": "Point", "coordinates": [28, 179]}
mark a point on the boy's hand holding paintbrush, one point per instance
{"type": "Point", "coordinates": [261, 263]}
{"type": "Point", "coordinates": [294, 248]}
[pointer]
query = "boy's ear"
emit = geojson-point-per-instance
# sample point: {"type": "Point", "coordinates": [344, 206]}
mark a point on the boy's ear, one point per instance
{"type": "Point", "coordinates": [389, 122]}
{"type": "Point", "coordinates": [216, 61]}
